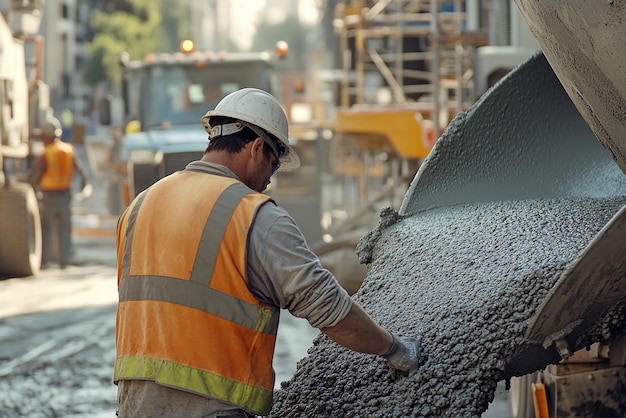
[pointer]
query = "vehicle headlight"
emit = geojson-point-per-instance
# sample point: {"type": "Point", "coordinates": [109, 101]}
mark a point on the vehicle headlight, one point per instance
{"type": "Point", "coordinates": [145, 156]}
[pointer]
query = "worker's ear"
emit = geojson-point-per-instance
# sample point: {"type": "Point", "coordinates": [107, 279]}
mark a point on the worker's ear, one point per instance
{"type": "Point", "coordinates": [257, 149]}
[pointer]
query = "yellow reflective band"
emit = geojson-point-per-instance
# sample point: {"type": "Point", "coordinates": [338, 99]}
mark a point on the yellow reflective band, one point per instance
{"type": "Point", "coordinates": [195, 381]}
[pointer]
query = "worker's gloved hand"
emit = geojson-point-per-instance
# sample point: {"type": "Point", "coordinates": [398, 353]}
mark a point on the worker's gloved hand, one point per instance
{"type": "Point", "coordinates": [86, 191]}
{"type": "Point", "coordinates": [405, 354]}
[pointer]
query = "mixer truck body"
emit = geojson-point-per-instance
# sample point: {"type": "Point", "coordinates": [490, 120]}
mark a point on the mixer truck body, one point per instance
{"type": "Point", "coordinates": [571, 362]}
{"type": "Point", "coordinates": [24, 102]}
{"type": "Point", "coordinates": [580, 40]}
{"type": "Point", "coordinates": [542, 127]}
{"type": "Point", "coordinates": [163, 98]}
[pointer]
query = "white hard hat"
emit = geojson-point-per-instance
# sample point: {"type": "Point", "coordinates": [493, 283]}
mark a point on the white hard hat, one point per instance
{"type": "Point", "coordinates": [51, 128]}
{"type": "Point", "coordinates": [255, 109]}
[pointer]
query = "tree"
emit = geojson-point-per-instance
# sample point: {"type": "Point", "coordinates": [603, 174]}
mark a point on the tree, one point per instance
{"type": "Point", "coordinates": [175, 25]}
{"type": "Point", "coordinates": [135, 27]}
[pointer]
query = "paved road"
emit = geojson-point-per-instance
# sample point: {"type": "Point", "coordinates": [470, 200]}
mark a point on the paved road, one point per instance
{"type": "Point", "coordinates": [57, 336]}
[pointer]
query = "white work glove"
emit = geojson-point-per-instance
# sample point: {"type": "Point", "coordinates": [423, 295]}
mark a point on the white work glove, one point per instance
{"type": "Point", "coordinates": [405, 354]}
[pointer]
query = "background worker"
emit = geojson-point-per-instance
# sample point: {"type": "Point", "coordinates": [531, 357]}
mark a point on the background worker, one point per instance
{"type": "Point", "coordinates": [206, 262]}
{"type": "Point", "coordinates": [52, 175]}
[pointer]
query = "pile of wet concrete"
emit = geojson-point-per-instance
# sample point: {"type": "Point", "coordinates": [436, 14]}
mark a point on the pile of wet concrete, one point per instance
{"type": "Point", "coordinates": [467, 280]}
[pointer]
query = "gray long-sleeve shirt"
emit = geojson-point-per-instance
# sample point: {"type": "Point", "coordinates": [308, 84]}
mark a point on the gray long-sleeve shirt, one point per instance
{"type": "Point", "coordinates": [282, 270]}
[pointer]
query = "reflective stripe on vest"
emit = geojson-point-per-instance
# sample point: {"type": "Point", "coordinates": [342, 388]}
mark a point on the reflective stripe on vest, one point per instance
{"type": "Point", "coordinates": [186, 318]}
{"type": "Point", "coordinates": [59, 167]}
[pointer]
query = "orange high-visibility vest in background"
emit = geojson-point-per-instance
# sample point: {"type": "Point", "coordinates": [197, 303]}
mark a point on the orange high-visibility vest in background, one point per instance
{"type": "Point", "coordinates": [59, 167]}
{"type": "Point", "coordinates": [186, 318]}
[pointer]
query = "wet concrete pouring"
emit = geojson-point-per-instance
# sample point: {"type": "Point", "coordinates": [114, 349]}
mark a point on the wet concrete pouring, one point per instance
{"type": "Point", "coordinates": [467, 279]}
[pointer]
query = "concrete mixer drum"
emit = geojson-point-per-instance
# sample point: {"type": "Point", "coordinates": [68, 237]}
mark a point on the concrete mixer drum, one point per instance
{"type": "Point", "coordinates": [526, 139]}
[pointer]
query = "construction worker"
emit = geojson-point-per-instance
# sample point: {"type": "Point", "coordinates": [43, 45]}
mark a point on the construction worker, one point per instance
{"type": "Point", "coordinates": [52, 175]}
{"type": "Point", "coordinates": [205, 264]}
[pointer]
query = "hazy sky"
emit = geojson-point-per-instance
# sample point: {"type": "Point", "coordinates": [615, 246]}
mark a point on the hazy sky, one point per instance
{"type": "Point", "coordinates": [245, 13]}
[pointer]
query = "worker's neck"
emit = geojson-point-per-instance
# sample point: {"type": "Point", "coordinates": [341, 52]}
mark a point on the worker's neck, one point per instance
{"type": "Point", "coordinates": [235, 162]}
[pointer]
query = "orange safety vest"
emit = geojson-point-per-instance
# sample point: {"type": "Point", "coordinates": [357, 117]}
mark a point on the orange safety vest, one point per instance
{"type": "Point", "coordinates": [59, 167]}
{"type": "Point", "coordinates": [186, 318]}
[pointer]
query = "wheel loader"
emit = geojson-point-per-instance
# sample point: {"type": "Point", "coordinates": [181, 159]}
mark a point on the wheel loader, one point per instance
{"type": "Point", "coordinates": [24, 103]}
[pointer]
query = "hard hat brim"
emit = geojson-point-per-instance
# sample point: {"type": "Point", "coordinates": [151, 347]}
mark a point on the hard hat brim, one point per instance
{"type": "Point", "coordinates": [289, 160]}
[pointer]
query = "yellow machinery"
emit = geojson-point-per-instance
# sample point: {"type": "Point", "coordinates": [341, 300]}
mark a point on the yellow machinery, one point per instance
{"type": "Point", "coordinates": [406, 71]}
{"type": "Point", "coordinates": [24, 105]}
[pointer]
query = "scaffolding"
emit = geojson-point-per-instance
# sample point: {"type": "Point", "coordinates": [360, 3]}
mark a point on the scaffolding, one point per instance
{"type": "Point", "coordinates": [406, 70]}
{"type": "Point", "coordinates": [407, 51]}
